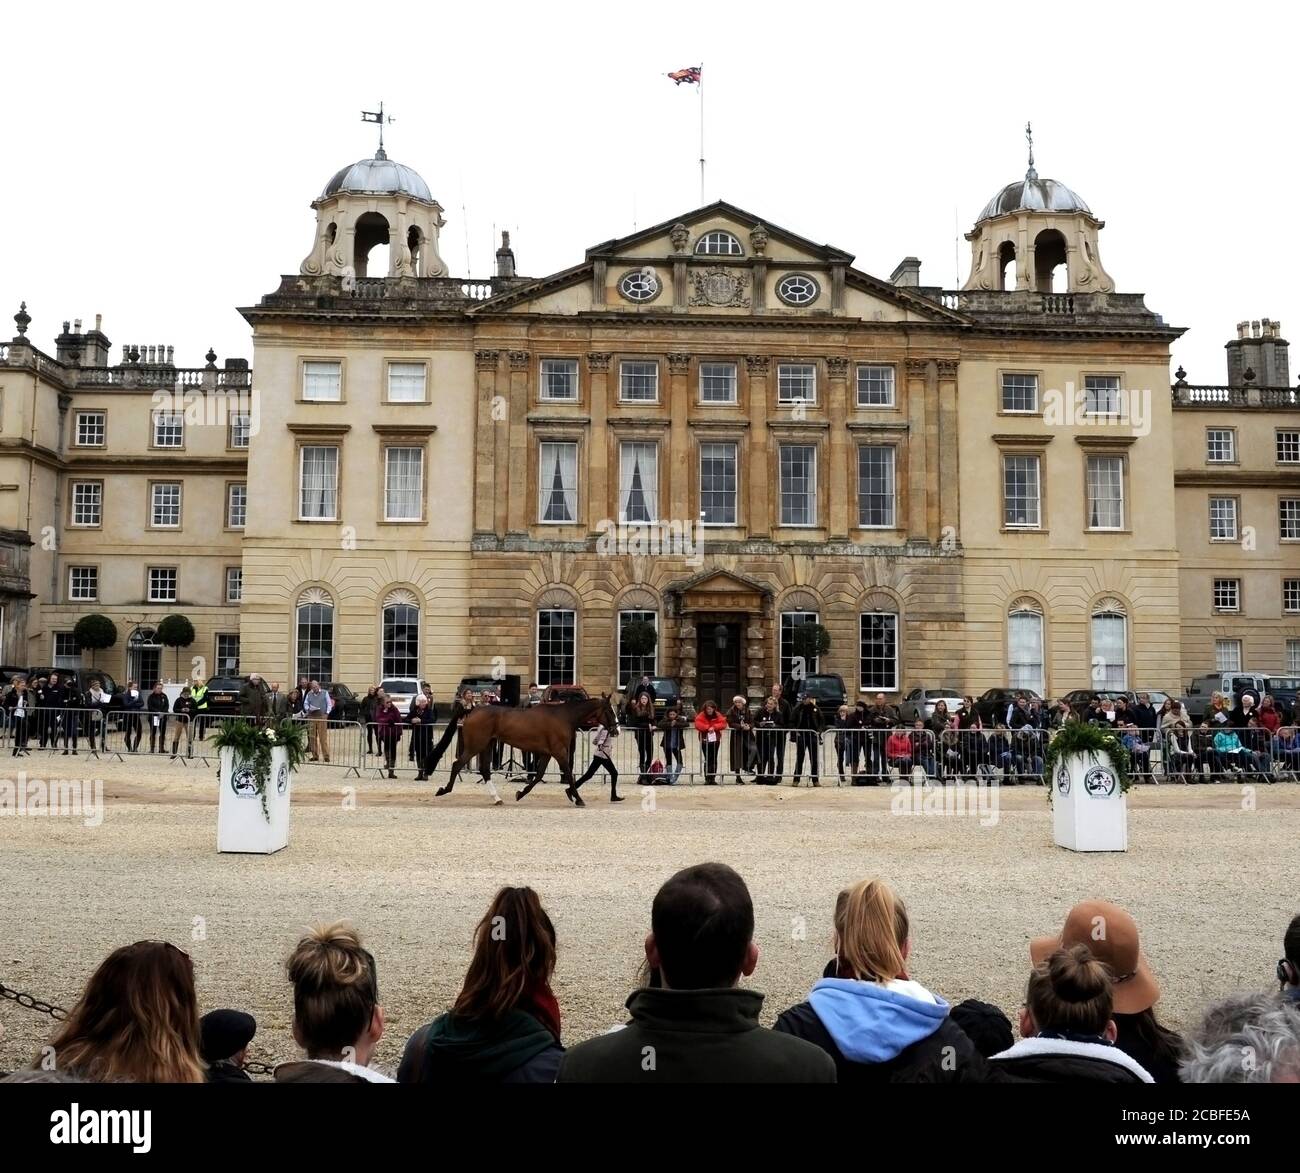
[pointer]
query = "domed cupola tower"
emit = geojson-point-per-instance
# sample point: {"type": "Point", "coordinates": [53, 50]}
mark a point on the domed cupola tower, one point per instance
{"type": "Point", "coordinates": [376, 201]}
{"type": "Point", "coordinates": [1031, 228]}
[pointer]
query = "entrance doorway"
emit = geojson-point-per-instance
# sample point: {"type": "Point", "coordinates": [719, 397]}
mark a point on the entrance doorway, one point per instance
{"type": "Point", "coordinates": [718, 663]}
{"type": "Point", "coordinates": [143, 657]}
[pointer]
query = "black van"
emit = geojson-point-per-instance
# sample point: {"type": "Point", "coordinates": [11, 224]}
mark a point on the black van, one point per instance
{"type": "Point", "coordinates": [827, 689]}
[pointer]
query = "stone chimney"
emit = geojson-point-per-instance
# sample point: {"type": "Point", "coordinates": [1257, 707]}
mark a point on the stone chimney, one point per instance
{"type": "Point", "coordinates": [96, 346]}
{"type": "Point", "coordinates": [907, 272]}
{"type": "Point", "coordinates": [505, 257]}
{"type": "Point", "coordinates": [1259, 346]}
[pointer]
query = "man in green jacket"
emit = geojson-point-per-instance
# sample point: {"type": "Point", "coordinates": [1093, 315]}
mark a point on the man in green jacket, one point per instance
{"type": "Point", "coordinates": [694, 1024]}
{"type": "Point", "coordinates": [253, 698]}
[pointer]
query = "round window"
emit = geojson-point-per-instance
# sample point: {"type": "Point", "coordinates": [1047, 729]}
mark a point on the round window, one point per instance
{"type": "Point", "coordinates": [639, 285]}
{"type": "Point", "coordinates": [797, 289]}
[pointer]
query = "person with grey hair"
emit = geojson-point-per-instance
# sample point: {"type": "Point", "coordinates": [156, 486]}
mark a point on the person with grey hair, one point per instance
{"type": "Point", "coordinates": [1245, 1038]}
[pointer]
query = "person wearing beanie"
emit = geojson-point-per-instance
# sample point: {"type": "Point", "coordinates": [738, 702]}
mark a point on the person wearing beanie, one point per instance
{"type": "Point", "coordinates": [1288, 969]}
{"type": "Point", "coordinates": [870, 1017]}
{"type": "Point", "coordinates": [1111, 936]}
{"type": "Point", "coordinates": [985, 1025]}
{"type": "Point", "coordinates": [224, 1036]}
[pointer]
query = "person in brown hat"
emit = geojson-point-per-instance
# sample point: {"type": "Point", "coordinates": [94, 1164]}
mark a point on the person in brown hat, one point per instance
{"type": "Point", "coordinates": [1111, 935]}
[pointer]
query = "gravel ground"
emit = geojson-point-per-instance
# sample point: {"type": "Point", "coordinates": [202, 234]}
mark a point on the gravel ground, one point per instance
{"type": "Point", "coordinates": [1211, 885]}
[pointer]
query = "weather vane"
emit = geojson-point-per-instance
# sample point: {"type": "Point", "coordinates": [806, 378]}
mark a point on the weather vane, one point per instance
{"type": "Point", "coordinates": [379, 117]}
{"type": "Point", "coordinates": [1029, 137]}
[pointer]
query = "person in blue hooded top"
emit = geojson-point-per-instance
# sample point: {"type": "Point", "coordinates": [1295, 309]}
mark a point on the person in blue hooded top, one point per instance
{"type": "Point", "coordinates": [875, 1022]}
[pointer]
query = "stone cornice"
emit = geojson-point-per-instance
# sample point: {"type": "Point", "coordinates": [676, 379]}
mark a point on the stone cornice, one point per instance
{"type": "Point", "coordinates": [412, 430]}
{"type": "Point", "coordinates": [317, 429]}
{"type": "Point", "coordinates": [1244, 478]}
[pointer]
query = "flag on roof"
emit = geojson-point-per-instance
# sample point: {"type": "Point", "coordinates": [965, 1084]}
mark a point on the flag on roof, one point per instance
{"type": "Point", "coordinates": [690, 75]}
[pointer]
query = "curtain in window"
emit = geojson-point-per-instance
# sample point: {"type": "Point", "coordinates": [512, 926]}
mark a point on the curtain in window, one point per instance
{"type": "Point", "coordinates": [638, 482]}
{"type": "Point", "coordinates": [319, 481]}
{"type": "Point", "coordinates": [402, 501]}
{"type": "Point", "coordinates": [1025, 650]}
{"type": "Point", "coordinates": [559, 482]}
{"type": "Point", "coordinates": [1109, 651]}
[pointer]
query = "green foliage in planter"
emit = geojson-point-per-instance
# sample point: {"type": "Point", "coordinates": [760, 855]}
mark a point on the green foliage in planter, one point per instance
{"type": "Point", "coordinates": [251, 742]}
{"type": "Point", "coordinates": [1078, 737]}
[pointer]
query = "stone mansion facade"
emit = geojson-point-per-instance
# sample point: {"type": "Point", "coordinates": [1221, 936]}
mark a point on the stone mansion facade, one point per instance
{"type": "Point", "coordinates": [712, 425]}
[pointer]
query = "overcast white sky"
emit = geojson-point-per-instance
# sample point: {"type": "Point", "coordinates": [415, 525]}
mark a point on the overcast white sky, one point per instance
{"type": "Point", "coordinates": [159, 161]}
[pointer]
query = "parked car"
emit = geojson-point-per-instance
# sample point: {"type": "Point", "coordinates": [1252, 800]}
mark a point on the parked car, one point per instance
{"type": "Point", "coordinates": [920, 702]}
{"type": "Point", "coordinates": [347, 705]}
{"type": "Point", "coordinates": [223, 695]}
{"type": "Point", "coordinates": [827, 689]}
{"type": "Point", "coordinates": [402, 689]}
{"type": "Point", "coordinates": [1202, 688]}
{"type": "Point", "coordinates": [1081, 698]}
{"type": "Point", "coordinates": [668, 693]}
{"type": "Point", "coordinates": [8, 672]}
{"type": "Point", "coordinates": [479, 686]}
{"type": "Point", "coordinates": [81, 678]}
{"type": "Point", "coordinates": [991, 705]}
{"type": "Point", "coordinates": [563, 694]}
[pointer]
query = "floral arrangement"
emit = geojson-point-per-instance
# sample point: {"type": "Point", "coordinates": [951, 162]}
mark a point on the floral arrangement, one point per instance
{"type": "Point", "coordinates": [251, 742]}
{"type": "Point", "coordinates": [1078, 737]}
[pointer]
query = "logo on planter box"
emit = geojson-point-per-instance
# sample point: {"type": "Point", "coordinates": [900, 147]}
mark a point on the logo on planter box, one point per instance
{"type": "Point", "coordinates": [243, 782]}
{"type": "Point", "coordinates": [282, 778]}
{"type": "Point", "coordinates": [1063, 780]}
{"type": "Point", "coordinates": [1100, 782]}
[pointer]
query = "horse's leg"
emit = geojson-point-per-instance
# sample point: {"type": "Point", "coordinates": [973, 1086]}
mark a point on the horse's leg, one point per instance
{"type": "Point", "coordinates": [564, 760]}
{"type": "Point", "coordinates": [485, 769]}
{"type": "Point", "coordinates": [540, 762]}
{"type": "Point", "coordinates": [456, 768]}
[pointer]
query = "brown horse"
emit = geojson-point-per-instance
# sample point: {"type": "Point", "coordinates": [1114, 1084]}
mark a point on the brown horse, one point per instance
{"type": "Point", "coordinates": [546, 731]}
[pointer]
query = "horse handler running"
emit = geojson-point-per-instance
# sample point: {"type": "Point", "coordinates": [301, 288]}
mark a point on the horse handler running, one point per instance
{"type": "Point", "coordinates": [602, 758]}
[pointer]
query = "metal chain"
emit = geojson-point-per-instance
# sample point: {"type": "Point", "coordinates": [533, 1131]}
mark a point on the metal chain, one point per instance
{"type": "Point", "coordinates": [29, 1002]}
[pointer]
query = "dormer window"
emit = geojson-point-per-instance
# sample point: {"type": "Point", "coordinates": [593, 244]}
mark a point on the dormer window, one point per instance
{"type": "Point", "coordinates": [718, 244]}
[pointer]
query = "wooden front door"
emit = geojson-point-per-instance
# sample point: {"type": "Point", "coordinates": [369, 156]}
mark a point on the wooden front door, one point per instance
{"type": "Point", "coordinates": [718, 664]}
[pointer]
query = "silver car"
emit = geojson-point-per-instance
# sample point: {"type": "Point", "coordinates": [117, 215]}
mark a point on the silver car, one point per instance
{"type": "Point", "coordinates": [920, 702]}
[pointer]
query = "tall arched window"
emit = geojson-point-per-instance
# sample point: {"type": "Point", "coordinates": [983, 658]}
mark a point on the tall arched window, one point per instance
{"type": "Point", "coordinates": [314, 629]}
{"type": "Point", "coordinates": [1025, 647]}
{"type": "Point", "coordinates": [1109, 645]}
{"type": "Point", "coordinates": [401, 636]}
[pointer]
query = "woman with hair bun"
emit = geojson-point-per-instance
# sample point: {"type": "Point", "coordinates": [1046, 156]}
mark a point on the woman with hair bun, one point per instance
{"type": "Point", "coordinates": [1067, 1034]}
{"type": "Point", "coordinates": [337, 1018]}
{"type": "Point", "coordinates": [504, 1026]}
{"type": "Point", "coordinates": [875, 1022]}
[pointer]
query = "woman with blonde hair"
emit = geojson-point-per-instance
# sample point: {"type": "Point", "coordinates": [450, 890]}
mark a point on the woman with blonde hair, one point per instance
{"type": "Point", "coordinates": [875, 1022]}
{"type": "Point", "coordinates": [504, 1026]}
{"type": "Point", "coordinates": [337, 1018]}
{"type": "Point", "coordinates": [136, 1022]}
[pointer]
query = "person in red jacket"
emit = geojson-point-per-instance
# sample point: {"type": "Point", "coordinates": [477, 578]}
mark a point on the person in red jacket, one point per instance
{"type": "Point", "coordinates": [390, 723]}
{"type": "Point", "coordinates": [710, 724]}
{"type": "Point", "coordinates": [898, 751]}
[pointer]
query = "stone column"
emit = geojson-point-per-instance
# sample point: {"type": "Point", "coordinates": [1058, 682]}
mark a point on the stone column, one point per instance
{"type": "Point", "coordinates": [757, 517]}
{"type": "Point", "coordinates": [687, 637]}
{"type": "Point", "coordinates": [753, 671]}
{"type": "Point", "coordinates": [679, 439]}
{"type": "Point", "coordinates": [598, 439]}
{"type": "Point", "coordinates": [839, 454]}
{"type": "Point", "coordinates": [930, 430]}
{"type": "Point", "coordinates": [917, 529]}
{"type": "Point", "coordinates": [485, 432]}
{"type": "Point", "coordinates": [948, 459]}
{"type": "Point", "coordinates": [517, 516]}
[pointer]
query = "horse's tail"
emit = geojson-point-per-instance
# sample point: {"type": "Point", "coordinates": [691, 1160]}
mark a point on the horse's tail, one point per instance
{"type": "Point", "coordinates": [435, 755]}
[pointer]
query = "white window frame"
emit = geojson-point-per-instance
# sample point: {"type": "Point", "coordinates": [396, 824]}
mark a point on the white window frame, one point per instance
{"type": "Point", "coordinates": [735, 474]}
{"type": "Point", "coordinates": [651, 617]}
{"type": "Point", "coordinates": [871, 372]}
{"type": "Point", "coordinates": [624, 491]}
{"type": "Point", "coordinates": [154, 575]}
{"type": "Point", "coordinates": [729, 246]}
{"type": "Point", "coordinates": [1093, 459]}
{"type": "Point", "coordinates": [241, 429]}
{"type": "Point", "coordinates": [155, 504]}
{"type": "Point", "coordinates": [785, 632]}
{"type": "Point", "coordinates": [786, 373]}
{"type": "Point", "coordinates": [235, 578]}
{"type": "Point", "coordinates": [1227, 655]}
{"type": "Point", "coordinates": [1018, 672]}
{"type": "Point", "coordinates": [1036, 463]}
{"type": "Point", "coordinates": [537, 644]}
{"type": "Point", "coordinates": [1226, 589]}
{"type": "Point", "coordinates": [545, 468]}
{"type": "Point", "coordinates": [810, 492]}
{"type": "Point", "coordinates": [217, 653]}
{"type": "Point", "coordinates": [1231, 519]}
{"type": "Point", "coordinates": [1288, 516]}
{"type": "Point", "coordinates": [1214, 436]}
{"type": "Point", "coordinates": [1293, 657]}
{"type": "Point", "coordinates": [303, 449]}
{"type": "Point", "coordinates": [313, 369]}
{"type": "Point", "coordinates": [892, 523]}
{"type": "Point", "coordinates": [863, 686]}
{"type": "Point", "coordinates": [167, 425]}
{"type": "Point", "coordinates": [1002, 393]}
{"type": "Point", "coordinates": [565, 370]}
{"type": "Point", "coordinates": [1290, 596]}
{"type": "Point", "coordinates": [91, 575]}
{"type": "Point", "coordinates": [1094, 386]}
{"type": "Point", "coordinates": [65, 658]}
{"type": "Point", "coordinates": [1287, 445]}
{"type": "Point", "coordinates": [389, 449]}
{"type": "Point", "coordinates": [712, 370]}
{"type": "Point", "coordinates": [625, 374]}
{"type": "Point", "coordinates": [100, 419]}
{"type": "Point", "coordinates": [1112, 680]}
{"type": "Point", "coordinates": [234, 489]}
{"type": "Point", "coordinates": [96, 488]}
{"type": "Point", "coordinates": [406, 367]}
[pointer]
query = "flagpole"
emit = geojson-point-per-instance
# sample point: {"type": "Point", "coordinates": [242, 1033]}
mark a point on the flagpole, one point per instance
{"type": "Point", "coordinates": [701, 134]}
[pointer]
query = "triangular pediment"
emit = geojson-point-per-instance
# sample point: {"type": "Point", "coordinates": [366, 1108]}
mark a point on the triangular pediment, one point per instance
{"type": "Point", "coordinates": [719, 582]}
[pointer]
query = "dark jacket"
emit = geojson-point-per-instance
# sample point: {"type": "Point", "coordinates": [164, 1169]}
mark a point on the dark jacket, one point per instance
{"type": "Point", "coordinates": [807, 717]}
{"type": "Point", "coordinates": [389, 720]}
{"type": "Point", "coordinates": [695, 1036]}
{"type": "Point", "coordinates": [1052, 1060]}
{"type": "Point", "coordinates": [454, 1050]}
{"type": "Point", "coordinates": [223, 1071]}
{"type": "Point", "coordinates": [1132, 1040]}
{"type": "Point", "coordinates": [185, 707]}
{"type": "Point", "coordinates": [132, 704]}
{"type": "Point", "coordinates": [252, 699]}
{"type": "Point", "coordinates": [878, 1035]}
{"type": "Point", "coordinates": [157, 702]}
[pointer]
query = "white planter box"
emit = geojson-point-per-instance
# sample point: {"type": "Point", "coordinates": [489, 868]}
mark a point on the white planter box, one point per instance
{"type": "Point", "coordinates": [1089, 811]}
{"type": "Point", "coordinates": [241, 825]}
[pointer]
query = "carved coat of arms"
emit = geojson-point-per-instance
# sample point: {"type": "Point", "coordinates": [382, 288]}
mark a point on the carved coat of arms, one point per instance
{"type": "Point", "coordinates": [720, 287]}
